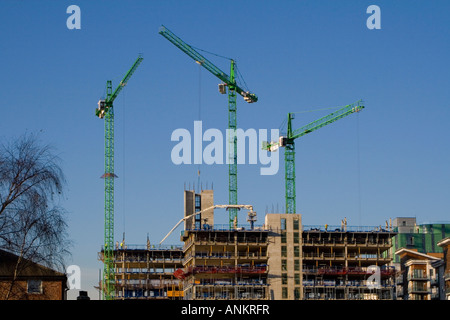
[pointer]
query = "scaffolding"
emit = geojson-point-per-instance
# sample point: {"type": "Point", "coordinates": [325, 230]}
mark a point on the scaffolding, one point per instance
{"type": "Point", "coordinates": [147, 273]}
{"type": "Point", "coordinates": [342, 265]}
{"type": "Point", "coordinates": [225, 264]}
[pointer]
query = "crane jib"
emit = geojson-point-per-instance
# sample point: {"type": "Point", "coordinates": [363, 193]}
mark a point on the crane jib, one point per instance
{"type": "Point", "coordinates": [208, 65]}
{"type": "Point", "coordinates": [125, 79]}
{"type": "Point", "coordinates": [343, 112]}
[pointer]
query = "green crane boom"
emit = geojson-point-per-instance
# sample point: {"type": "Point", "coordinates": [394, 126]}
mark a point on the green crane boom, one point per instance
{"type": "Point", "coordinates": [288, 143]}
{"type": "Point", "coordinates": [105, 110]}
{"type": "Point", "coordinates": [230, 82]}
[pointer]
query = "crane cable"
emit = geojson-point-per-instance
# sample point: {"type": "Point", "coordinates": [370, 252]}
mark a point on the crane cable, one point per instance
{"type": "Point", "coordinates": [358, 165]}
{"type": "Point", "coordinates": [123, 162]}
{"type": "Point", "coordinates": [284, 122]}
{"type": "Point", "coordinates": [238, 73]}
{"type": "Point", "coordinates": [199, 114]}
{"type": "Point", "coordinates": [215, 54]}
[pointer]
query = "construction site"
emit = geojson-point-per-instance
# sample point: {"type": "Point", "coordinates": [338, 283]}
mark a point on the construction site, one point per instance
{"type": "Point", "coordinates": [278, 260]}
{"type": "Point", "coordinates": [274, 258]}
{"type": "Point", "coordinates": [171, 154]}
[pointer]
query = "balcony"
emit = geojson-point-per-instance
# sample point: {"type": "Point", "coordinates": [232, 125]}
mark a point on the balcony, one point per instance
{"type": "Point", "coordinates": [418, 289]}
{"type": "Point", "coordinates": [434, 281]}
{"type": "Point", "coordinates": [418, 275]}
{"type": "Point", "coordinates": [324, 256]}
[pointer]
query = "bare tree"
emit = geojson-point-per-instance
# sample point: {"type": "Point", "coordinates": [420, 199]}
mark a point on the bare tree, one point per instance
{"type": "Point", "coordinates": [32, 222]}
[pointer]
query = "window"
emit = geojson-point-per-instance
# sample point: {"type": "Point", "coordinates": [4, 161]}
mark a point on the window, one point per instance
{"type": "Point", "coordinates": [297, 293]}
{"type": "Point", "coordinates": [296, 265]}
{"type": "Point", "coordinates": [295, 237]}
{"type": "Point", "coordinates": [296, 251]}
{"type": "Point", "coordinates": [283, 237]}
{"type": "Point", "coordinates": [284, 278]}
{"type": "Point", "coordinates": [283, 224]}
{"type": "Point", "coordinates": [283, 265]}
{"type": "Point", "coordinates": [197, 202]}
{"type": "Point", "coordinates": [296, 224]}
{"type": "Point", "coordinates": [284, 293]}
{"type": "Point", "coordinates": [283, 251]}
{"type": "Point", "coordinates": [198, 207]}
{"type": "Point", "coordinates": [34, 286]}
{"type": "Point", "coordinates": [297, 278]}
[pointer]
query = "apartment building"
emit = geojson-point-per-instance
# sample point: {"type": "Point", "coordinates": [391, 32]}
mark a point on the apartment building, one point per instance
{"type": "Point", "coordinates": [418, 278]}
{"type": "Point", "coordinates": [445, 245]}
{"type": "Point", "coordinates": [421, 237]}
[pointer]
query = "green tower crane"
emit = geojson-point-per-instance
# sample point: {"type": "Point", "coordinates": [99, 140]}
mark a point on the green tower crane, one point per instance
{"type": "Point", "coordinates": [289, 145]}
{"type": "Point", "coordinates": [105, 110]}
{"type": "Point", "coordinates": [233, 88]}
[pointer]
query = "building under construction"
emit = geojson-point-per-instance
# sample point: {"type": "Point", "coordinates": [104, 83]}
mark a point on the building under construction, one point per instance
{"type": "Point", "coordinates": [145, 272]}
{"type": "Point", "coordinates": [347, 264]}
{"type": "Point", "coordinates": [220, 262]}
{"type": "Point", "coordinates": [328, 262]}
{"type": "Point", "coordinates": [278, 260]}
{"type": "Point", "coordinates": [225, 264]}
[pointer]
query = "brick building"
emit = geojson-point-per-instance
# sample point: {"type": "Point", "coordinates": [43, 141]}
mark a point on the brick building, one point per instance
{"type": "Point", "coordinates": [33, 281]}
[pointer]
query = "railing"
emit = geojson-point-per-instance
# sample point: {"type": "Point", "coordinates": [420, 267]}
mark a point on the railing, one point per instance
{"type": "Point", "coordinates": [149, 260]}
{"type": "Point", "coordinates": [418, 289]}
{"type": "Point", "coordinates": [435, 296]}
{"type": "Point", "coordinates": [418, 274]}
{"type": "Point", "coordinates": [331, 228]}
{"type": "Point", "coordinates": [339, 228]}
{"type": "Point", "coordinates": [241, 269]}
{"type": "Point", "coordinates": [143, 273]}
{"type": "Point", "coordinates": [227, 241]}
{"type": "Point", "coordinates": [227, 282]}
{"type": "Point", "coordinates": [229, 295]}
{"type": "Point", "coordinates": [226, 227]}
{"type": "Point", "coordinates": [147, 247]}
{"type": "Point", "coordinates": [323, 255]}
{"type": "Point", "coordinates": [327, 255]}
{"type": "Point", "coordinates": [418, 277]}
{"type": "Point", "coordinates": [149, 284]}
{"type": "Point", "coordinates": [336, 242]}
{"type": "Point", "coordinates": [226, 255]}
{"type": "Point", "coordinates": [384, 271]}
{"type": "Point", "coordinates": [341, 283]}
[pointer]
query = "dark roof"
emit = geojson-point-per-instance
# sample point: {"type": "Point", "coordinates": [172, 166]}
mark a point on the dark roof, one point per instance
{"type": "Point", "coordinates": [438, 263]}
{"type": "Point", "coordinates": [27, 267]}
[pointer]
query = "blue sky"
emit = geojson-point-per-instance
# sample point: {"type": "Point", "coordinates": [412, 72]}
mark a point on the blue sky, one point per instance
{"type": "Point", "coordinates": [295, 55]}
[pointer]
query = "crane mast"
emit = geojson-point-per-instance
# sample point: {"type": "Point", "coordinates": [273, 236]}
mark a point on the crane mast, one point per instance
{"type": "Point", "coordinates": [233, 88]}
{"type": "Point", "coordinates": [105, 110]}
{"type": "Point", "coordinates": [288, 143]}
